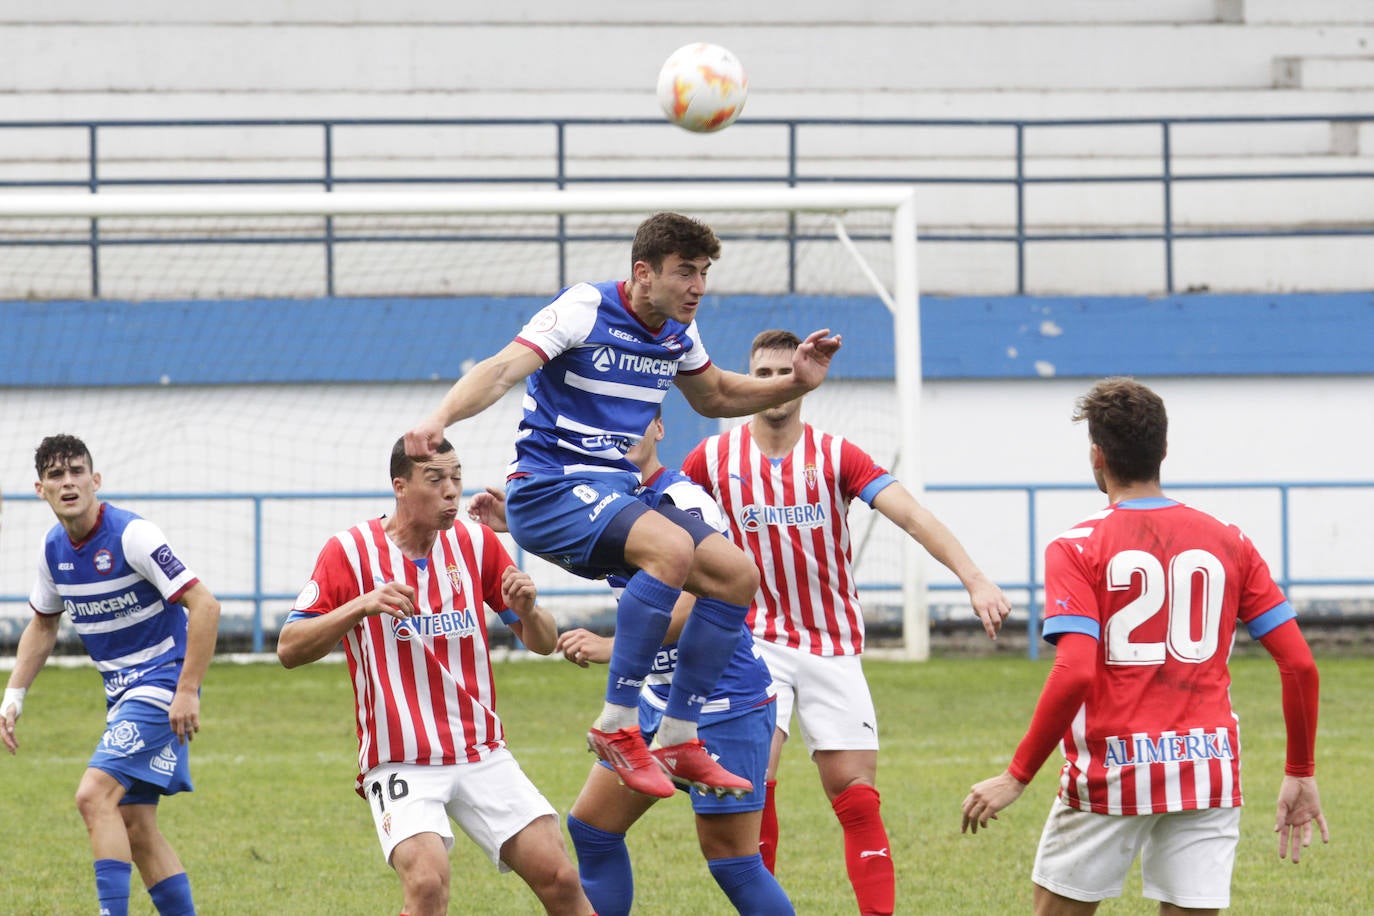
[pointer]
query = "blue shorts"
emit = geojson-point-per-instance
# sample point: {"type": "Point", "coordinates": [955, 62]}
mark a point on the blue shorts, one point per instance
{"type": "Point", "coordinates": [740, 743]}
{"type": "Point", "coordinates": [140, 750]}
{"type": "Point", "coordinates": [578, 522]}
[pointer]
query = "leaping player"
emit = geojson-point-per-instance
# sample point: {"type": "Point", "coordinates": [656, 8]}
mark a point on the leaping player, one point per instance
{"type": "Point", "coordinates": [597, 362]}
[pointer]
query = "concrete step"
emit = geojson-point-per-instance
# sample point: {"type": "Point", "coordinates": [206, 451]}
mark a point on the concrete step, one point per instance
{"type": "Point", "coordinates": [702, 14]}
{"type": "Point", "coordinates": [1351, 72]}
{"type": "Point", "coordinates": [275, 57]}
{"type": "Point", "coordinates": [1288, 12]}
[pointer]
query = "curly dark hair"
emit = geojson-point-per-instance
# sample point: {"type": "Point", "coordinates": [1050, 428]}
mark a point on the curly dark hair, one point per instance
{"type": "Point", "coordinates": [59, 450]}
{"type": "Point", "coordinates": [672, 233]}
{"type": "Point", "coordinates": [1128, 422]}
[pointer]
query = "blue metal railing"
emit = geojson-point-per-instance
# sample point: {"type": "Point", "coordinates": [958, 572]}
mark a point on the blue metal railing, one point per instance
{"type": "Point", "coordinates": [1031, 584]}
{"type": "Point", "coordinates": [790, 155]}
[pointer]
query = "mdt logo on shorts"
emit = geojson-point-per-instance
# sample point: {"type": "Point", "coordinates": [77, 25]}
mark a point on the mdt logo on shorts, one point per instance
{"type": "Point", "coordinates": [165, 761]}
{"type": "Point", "coordinates": [1138, 749]}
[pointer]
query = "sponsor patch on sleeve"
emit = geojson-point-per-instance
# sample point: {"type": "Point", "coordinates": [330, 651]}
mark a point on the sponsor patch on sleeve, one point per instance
{"type": "Point", "coordinates": [167, 561]}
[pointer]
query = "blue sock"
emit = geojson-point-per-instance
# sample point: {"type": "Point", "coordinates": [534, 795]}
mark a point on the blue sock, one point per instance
{"type": "Point", "coordinates": [603, 864]}
{"type": "Point", "coordinates": [641, 620]}
{"type": "Point", "coordinates": [708, 640]}
{"type": "Point", "coordinates": [112, 886]}
{"type": "Point", "coordinates": [172, 896]}
{"type": "Point", "coordinates": [751, 887]}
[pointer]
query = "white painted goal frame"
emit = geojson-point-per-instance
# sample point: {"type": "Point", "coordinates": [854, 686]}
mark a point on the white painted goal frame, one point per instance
{"type": "Point", "coordinates": [902, 298]}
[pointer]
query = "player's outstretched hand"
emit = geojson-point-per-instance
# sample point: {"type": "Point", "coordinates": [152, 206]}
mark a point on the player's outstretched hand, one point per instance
{"type": "Point", "coordinates": [489, 508]}
{"type": "Point", "coordinates": [422, 441]}
{"type": "Point", "coordinates": [184, 715]}
{"type": "Point", "coordinates": [811, 362]}
{"type": "Point", "coordinates": [988, 797]}
{"type": "Point", "coordinates": [1300, 805]}
{"type": "Point", "coordinates": [518, 591]}
{"type": "Point", "coordinates": [991, 606]}
{"type": "Point", "coordinates": [583, 647]}
{"type": "Point", "coordinates": [8, 717]}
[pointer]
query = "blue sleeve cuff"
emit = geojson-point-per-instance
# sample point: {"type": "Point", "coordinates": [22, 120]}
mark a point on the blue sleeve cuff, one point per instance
{"type": "Point", "coordinates": [1057, 626]}
{"type": "Point", "coordinates": [876, 486]}
{"type": "Point", "coordinates": [1265, 623]}
{"type": "Point", "coordinates": [297, 615]}
{"type": "Point", "coordinates": [508, 616]}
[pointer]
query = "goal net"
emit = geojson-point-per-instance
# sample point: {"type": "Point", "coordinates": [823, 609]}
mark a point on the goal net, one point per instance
{"type": "Point", "coordinates": [240, 364]}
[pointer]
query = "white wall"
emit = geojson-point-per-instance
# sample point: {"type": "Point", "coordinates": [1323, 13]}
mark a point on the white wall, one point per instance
{"type": "Point", "coordinates": [336, 438]}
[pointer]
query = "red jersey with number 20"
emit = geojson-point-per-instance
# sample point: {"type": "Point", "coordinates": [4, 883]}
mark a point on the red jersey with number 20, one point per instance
{"type": "Point", "coordinates": [792, 518]}
{"type": "Point", "coordinates": [1161, 586]}
{"type": "Point", "coordinates": [423, 687]}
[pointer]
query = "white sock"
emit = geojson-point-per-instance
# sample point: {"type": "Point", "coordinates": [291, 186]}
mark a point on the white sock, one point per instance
{"type": "Point", "coordinates": [613, 717]}
{"type": "Point", "coordinates": [674, 731]}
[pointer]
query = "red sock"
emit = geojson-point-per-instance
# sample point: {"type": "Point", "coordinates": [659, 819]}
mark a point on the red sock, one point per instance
{"type": "Point", "coordinates": [768, 830]}
{"type": "Point", "coordinates": [866, 853]}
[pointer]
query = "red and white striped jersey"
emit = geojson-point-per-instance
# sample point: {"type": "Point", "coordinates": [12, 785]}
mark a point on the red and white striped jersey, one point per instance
{"type": "Point", "coordinates": [423, 687]}
{"type": "Point", "coordinates": [792, 517]}
{"type": "Point", "coordinates": [1162, 586]}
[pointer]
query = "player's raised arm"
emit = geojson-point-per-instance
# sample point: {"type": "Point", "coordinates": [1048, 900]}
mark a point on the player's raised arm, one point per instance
{"type": "Point", "coordinates": [479, 388]}
{"type": "Point", "coordinates": [716, 392]}
{"type": "Point", "coordinates": [899, 506]}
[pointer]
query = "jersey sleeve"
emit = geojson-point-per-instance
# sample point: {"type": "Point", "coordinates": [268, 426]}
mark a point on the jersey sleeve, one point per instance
{"type": "Point", "coordinates": [563, 323]}
{"type": "Point", "coordinates": [495, 559]}
{"type": "Point", "coordinates": [860, 475]}
{"type": "Point", "coordinates": [147, 551]}
{"type": "Point", "coordinates": [696, 359]}
{"type": "Point", "coordinates": [1070, 598]}
{"type": "Point", "coordinates": [1065, 689]}
{"type": "Point", "coordinates": [1262, 603]}
{"type": "Point", "coordinates": [694, 466]}
{"type": "Point", "coordinates": [332, 584]}
{"type": "Point", "coordinates": [44, 598]}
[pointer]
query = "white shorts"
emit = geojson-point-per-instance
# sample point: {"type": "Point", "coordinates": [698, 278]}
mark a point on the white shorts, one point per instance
{"type": "Point", "coordinates": [830, 695]}
{"type": "Point", "coordinates": [1186, 857]}
{"type": "Point", "coordinates": [491, 800]}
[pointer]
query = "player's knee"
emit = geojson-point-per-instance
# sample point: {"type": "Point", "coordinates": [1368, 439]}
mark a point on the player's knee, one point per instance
{"type": "Point", "coordinates": [557, 883]}
{"type": "Point", "coordinates": [426, 891]}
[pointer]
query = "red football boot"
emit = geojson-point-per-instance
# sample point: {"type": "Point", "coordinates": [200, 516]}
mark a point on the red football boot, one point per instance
{"type": "Point", "coordinates": [625, 751]}
{"type": "Point", "coordinates": [691, 766]}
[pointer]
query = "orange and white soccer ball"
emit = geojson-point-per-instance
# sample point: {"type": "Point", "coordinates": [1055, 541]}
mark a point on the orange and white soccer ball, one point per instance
{"type": "Point", "coordinates": [702, 87]}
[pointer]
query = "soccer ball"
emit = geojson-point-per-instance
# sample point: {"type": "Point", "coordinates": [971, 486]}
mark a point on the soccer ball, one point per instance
{"type": "Point", "coordinates": [702, 87]}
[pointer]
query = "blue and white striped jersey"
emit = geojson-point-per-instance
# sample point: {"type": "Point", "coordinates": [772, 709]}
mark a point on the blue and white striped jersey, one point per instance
{"type": "Point", "coordinates": [603, 377]}
{"type": "Point", "coordinates": [120, 587]}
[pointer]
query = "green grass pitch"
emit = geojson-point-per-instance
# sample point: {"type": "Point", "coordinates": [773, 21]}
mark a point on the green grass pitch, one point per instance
{"type": "Point", "coordinates": [274, 826]}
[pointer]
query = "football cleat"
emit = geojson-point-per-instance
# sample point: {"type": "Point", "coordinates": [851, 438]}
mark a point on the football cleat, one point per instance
{"type": "Point", "coordinates": [691, 766]}
{"type": "Point", "coordinates": [625, 751]}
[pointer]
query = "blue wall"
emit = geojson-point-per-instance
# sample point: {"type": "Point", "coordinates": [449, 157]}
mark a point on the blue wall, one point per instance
{"type": "Point", "coordinates": [384, 340]}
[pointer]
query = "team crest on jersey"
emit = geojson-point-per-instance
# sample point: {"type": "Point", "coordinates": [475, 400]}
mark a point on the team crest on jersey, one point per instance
{"type": "Point", "coordinates": [671, 343]}
{"type": "Point", "coordinates": [812, 475]}
{"type": "Point", "coordinates": [123, 736]}
{"type": "Point", "coordinates": [603, 359]}
{"type": "Point", "coordinates": [545, 321]}
{"type": "Point", "coordinates": [104, 561]}
{"type": "Point", "coordinates": [455, 577]}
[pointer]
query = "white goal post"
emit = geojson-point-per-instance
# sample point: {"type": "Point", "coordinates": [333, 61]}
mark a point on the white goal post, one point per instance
{"type": "Point", "coordinates": [899, 293]}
